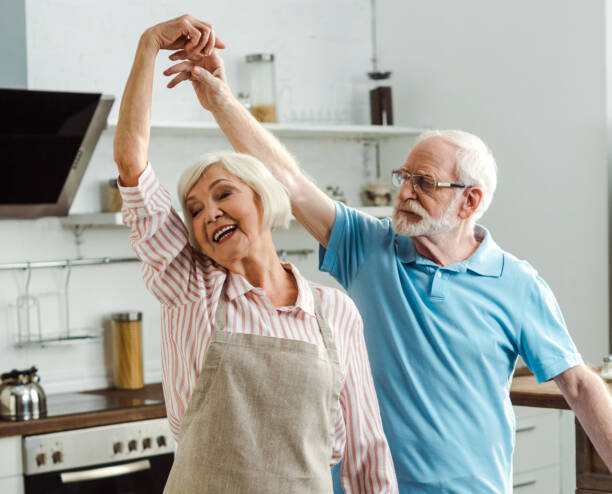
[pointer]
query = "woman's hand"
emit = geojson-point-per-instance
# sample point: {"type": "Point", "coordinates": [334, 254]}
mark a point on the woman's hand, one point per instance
{"type": "Point", "coordinates": [185, 33]}
{"type": "Point", "coordinates": [207, 74]}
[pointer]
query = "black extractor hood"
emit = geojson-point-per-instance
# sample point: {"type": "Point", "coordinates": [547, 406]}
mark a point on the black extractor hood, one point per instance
{"type": "Point", "coordinates": [46, 141]}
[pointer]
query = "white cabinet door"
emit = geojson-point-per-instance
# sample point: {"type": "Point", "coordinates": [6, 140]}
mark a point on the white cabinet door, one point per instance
{"type": "Point", "coordinates": [11, 485]}
{"type": "Point", "coordinates": [537, 441]}
{"type": "Point", "coordinates": [10, 453]}
{"type": "Point", "coordinates": [542, 481]}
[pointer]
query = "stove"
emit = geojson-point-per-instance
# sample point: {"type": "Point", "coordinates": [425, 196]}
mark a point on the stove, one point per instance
{"type": "Point", "coordinates": [60, 404]}
{"type": "Point", "coordinates": [129, 457]}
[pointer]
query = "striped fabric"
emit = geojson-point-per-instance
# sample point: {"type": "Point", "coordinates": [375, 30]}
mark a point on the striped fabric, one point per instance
{"type": "Point", "coordinates": [188, 285]}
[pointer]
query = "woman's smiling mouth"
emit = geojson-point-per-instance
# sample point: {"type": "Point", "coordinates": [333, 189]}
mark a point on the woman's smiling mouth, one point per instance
{"type": "Point", "coordinates": [223, 233]}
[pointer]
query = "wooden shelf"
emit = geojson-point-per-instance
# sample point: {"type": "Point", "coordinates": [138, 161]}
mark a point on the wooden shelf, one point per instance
{"type": "Point", "coordinates": [294, 130]}
{"type": "Point", "coordinates": [102, 220]}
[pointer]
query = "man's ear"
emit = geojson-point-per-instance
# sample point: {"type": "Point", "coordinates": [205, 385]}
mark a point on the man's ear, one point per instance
{"type": "Point", "coordinates": [471, 200]}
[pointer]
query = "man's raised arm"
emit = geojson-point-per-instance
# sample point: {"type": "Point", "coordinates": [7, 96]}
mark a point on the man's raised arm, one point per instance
{"type": "Point", "coordinates": [312, 208]}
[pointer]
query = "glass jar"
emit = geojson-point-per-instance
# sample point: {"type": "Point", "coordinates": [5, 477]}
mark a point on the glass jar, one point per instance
{"type": "Point", "coordinates": [262, 86]}
{"type": "Point", "coordinates": [606, 369]}
{"type": "Point", "coordinates": [127, 354]}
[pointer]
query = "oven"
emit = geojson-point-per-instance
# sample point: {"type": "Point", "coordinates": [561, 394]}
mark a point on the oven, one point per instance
{"type": "Point", "coordinates": [127, 458]}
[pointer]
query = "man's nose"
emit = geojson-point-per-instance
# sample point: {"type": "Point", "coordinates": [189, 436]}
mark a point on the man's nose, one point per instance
{"type": "Point", "coordinates": [407, 191]}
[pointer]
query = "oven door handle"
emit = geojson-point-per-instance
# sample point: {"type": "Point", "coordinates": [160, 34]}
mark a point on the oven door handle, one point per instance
{"type": "Point", "coordinates": [105, 472]}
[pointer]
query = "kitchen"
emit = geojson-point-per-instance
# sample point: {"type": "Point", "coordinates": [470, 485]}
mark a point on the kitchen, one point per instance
{"type": "Point", "coordinates": [538, 100]}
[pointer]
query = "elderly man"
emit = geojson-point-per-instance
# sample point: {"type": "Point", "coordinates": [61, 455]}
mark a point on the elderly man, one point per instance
{"type": "Point", "coordinates": [447, 312]}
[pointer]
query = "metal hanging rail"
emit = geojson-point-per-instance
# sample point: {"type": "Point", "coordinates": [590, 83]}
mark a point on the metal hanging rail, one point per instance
{"type": "Point", "coordinates": [96, 261]}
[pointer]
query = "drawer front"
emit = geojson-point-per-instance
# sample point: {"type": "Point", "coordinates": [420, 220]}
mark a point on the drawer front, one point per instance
{"type": "Point", "coordinates": [10, 453]}
{"type": "Point", "coordinates": [542, 481]}
{"type": "Point", "coordinates": [537, 442]}
{"type": "Point", "coordinates": [12, 485]}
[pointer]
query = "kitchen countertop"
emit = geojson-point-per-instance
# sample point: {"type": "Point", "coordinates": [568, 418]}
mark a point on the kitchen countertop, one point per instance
{"type": "Point", "coordinates": [525, 391]}
{"type": "Point", "coordinates": [116, 406]}
{"type": "Point", "coordinates": [104, 406]}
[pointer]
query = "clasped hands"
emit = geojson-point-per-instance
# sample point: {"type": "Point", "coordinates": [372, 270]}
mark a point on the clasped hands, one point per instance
{"type": "Point", "coordinates": [195, 44]}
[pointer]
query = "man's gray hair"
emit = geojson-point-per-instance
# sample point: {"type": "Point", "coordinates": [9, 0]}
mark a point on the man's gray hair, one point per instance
{"type": "Point", "coordinates": [475, 163]}
{"type": "Point", "coordinates": [273, 195]}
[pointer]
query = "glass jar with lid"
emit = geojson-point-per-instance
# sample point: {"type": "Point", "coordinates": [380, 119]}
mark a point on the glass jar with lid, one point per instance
{"type": "Point", "coordinates": [262, 86]}
{"type": "Point", "coordinates": [606, 369]}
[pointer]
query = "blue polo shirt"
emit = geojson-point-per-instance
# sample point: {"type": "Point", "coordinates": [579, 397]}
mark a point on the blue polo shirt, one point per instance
{"type": "Point", "coordinates": [443, 343]}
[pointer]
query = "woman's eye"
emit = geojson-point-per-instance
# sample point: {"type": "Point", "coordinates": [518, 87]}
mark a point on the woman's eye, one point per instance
{"type": "Point", "coordinates": [195, 213]}
{"type": "Point", "coordinates": [224, 194]}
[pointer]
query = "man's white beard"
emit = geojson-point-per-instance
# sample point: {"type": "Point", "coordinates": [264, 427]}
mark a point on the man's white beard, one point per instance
{"type": "Point", "coordinates": [427, 225]}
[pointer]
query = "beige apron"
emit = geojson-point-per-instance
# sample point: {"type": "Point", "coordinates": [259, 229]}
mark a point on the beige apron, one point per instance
{"type": "Point", "coordinates": [261, 418]}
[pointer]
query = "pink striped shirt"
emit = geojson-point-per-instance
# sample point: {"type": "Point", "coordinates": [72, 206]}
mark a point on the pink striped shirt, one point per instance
{"type": "Point", "coordinates": [188, 285]}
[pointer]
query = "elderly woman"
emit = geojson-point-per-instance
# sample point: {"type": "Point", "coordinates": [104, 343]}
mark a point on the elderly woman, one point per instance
{"type": "Point", "coordinates": [265, 375]}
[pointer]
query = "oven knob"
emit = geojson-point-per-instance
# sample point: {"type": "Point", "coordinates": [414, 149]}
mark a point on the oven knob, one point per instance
{"type": "Point", "coordinates": [132, 445]}
{"type": "Point", "coordinates": [57, 457]}
{"type": "Point", "coordinates": [146, 443]}
{"type": "Point", "coordinates": [161, 441]}
{"type": "Point", "coordinates": [41, 459]}
{"type": "Point", "coordinates": [117, 447]}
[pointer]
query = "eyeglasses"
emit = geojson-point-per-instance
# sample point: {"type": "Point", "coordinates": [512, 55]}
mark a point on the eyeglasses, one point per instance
{"type": "Point", "coordinates": [421, 181]}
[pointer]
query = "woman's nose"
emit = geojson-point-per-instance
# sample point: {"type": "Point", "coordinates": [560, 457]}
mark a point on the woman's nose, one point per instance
{"type": "Point", "coordinates": [212, 212]}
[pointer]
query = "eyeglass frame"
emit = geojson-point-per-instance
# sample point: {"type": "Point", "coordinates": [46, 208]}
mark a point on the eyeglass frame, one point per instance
{"type": "Point", "coordinates": [405, 176]}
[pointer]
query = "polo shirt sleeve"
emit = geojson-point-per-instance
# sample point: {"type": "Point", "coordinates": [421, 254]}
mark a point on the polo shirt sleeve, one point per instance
{"type": "Point", "coordinates": [545, 344]}
{"type": "Point", "coordinates": [352, 236]}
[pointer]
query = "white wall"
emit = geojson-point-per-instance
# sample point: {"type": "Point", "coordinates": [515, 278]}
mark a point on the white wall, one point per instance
{"type": "Point", "coordinates": [322, 56]}
{"type": "Point", "coordinates": [529, 78]}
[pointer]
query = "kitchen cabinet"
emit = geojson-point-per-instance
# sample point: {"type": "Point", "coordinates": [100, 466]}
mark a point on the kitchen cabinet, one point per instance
{"type": "Point", "coordinates": [536, 460]}
{"type": "Point", "coordinates": [11, 469]}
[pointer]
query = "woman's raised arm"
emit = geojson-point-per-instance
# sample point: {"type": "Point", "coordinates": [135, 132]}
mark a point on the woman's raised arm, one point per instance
{"type": "Point", "coordinates": [133, 127]}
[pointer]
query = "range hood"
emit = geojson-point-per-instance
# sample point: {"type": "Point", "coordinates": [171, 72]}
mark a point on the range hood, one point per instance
{"type": "Point", "coordinates": [46, 141]}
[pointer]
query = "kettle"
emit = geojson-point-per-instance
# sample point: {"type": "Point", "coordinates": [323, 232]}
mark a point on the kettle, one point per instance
{"type": "Point", "coordinates": [21, 397]}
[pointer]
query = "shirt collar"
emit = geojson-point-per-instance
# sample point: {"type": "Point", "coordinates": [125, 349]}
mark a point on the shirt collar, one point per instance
{"type": "Point", "coordinates": [237, 285]}
{"type": "Point", "coordinates": [487, 260]}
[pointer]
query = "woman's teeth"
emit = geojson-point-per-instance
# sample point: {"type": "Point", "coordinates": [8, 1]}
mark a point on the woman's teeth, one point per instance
{"type": "Point", "coordinates": [221, 233]}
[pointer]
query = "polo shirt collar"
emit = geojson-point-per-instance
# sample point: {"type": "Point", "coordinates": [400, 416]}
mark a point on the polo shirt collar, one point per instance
{"type": "Point", "coordinates": [237, 285]}
{"type": "Point", "coordinates": [487, 260]}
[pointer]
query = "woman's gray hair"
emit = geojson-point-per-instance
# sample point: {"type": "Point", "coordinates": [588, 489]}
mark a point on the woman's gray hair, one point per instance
{"type": "Point", "coordinates": [475, 163]}
{"type": "Point", "coordinates": [273, 195]}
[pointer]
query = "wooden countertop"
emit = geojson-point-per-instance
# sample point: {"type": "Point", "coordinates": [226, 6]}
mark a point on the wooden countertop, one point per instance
{"type": "Point", "coordinates": [124, 406]}
{"type": "Point", "coordinates": [525, 391]}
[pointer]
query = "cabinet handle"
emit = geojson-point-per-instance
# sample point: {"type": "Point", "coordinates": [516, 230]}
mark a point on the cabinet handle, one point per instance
{"type": "Point", "coordinates": [524, 484]}
{"type": "Point", "coordinates": [526, 429]}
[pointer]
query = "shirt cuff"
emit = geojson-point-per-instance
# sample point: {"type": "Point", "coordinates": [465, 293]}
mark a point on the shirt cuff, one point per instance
{"type": "Point", "coordinates": [139, 195]}
{"type": "Point", "coordinates": [548, 370]}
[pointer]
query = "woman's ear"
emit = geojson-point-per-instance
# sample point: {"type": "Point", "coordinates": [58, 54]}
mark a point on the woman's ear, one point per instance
{"type": "Point", "coordinates": [471, 200]}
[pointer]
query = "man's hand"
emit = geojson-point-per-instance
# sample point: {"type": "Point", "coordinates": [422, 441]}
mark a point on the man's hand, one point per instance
{"type": "Point", "coordinates": [207, 74]}
{"type": "Point", "coordinates": [185, 33]}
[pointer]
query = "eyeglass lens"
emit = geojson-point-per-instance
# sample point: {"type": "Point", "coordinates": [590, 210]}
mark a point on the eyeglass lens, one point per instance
{"type": "Point", "coordinates": [426, 183]}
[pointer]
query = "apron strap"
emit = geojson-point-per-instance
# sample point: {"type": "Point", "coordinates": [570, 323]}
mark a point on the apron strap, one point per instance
{"type": "Point", "coordinates": [326, 333]}
{"type": "Point", "coordinates": [221, 312]}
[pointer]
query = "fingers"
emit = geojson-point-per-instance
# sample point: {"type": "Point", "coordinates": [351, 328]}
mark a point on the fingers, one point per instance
{"type": "Point", "coordinates": [203, 42]}
{"type": "Point", "coordinates": [183, 76]}
{"type": "Point", "coordinates": [179, 67]}
{"type": "Point", "coordinates": [211, 44]}
{"type": "Point", "coordinates": [189, 71]}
